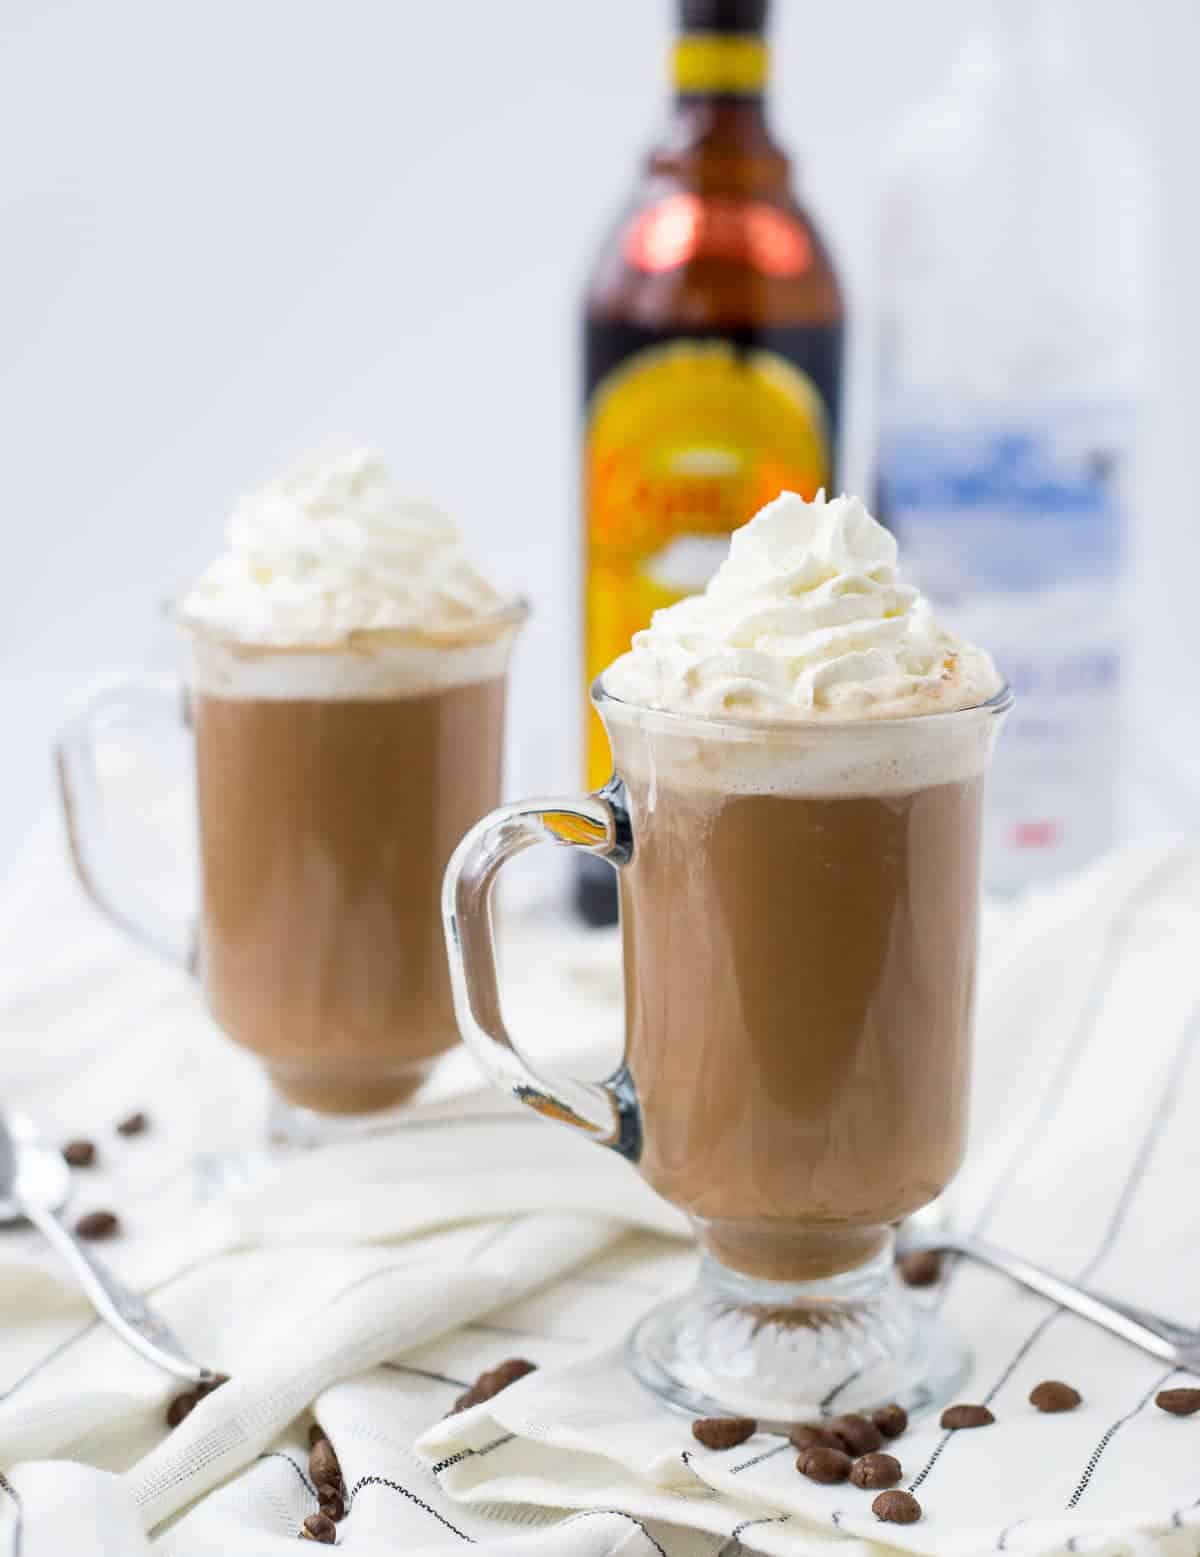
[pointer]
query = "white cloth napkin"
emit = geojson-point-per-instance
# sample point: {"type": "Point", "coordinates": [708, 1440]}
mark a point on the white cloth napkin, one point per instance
{"type": "Point", "coordinates": [370, 1282]}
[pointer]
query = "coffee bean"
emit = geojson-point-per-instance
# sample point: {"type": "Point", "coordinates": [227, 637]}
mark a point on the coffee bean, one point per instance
{"type": "Point", "coordinates": [491, 1382]}
{"type": "Point", "coordinates": [315, 1433]}
{"type": "Point", "coordinates": [1179, 1402]}
{"type": "Point", "coordinates": [97, 1225]}
{"type": "Point", "coordinates": [920, 1269]}
{"type": "Point", "coordinates": [809, 1436]}
{"type": "Point", "coordinates": [956, 1417]}
{"type": "Point", "coordinates": [507, 1373]}
{"type": "Point", "coordinates": [323, 1466]}
{"type": "Point", "coordinates": [723, 1432]}
{"type": "Point", "coordinates": [135, 1124]}
{"type": "Point", "coordinates": [827, 1466]}
{"type": "Point", "coordinates": [896, 1508]}
{"type": "Point", "coordinates": [1053, 1395]}
{"type": "Point", "coordinates": [876, 1470]}
{"type": "Point", "coordinates": [856, 1434]}
{"type": "Point", "coordinates": [80, 1154]}
{"type": "Point", "coordinates": [182, 1406]}
{"type": "Point", "coordinates": [332, 1502]}
{"type": "Point", "coordinates": [320, 1528]}
{"type": "Point", "coordinates": [890, 1420]}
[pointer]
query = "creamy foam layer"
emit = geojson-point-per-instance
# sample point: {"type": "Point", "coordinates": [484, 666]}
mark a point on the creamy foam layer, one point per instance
{"type": "Point", "coordinates": [376, 667]}
{"type": "Point", "coordinates": [659, 751]}
{"type": "Point", "coordinates": [334, 549]}
{"type": "Point", "coordinates": [807, 620]}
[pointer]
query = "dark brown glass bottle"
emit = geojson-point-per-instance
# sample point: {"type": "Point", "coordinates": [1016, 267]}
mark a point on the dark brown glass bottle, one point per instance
{"type": "Point", "coordinates": [713, 342]}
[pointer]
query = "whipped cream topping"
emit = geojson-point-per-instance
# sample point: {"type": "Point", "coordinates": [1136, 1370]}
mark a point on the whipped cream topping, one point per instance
{"type": "Point", "coordinates": [807, 618]}
{"type": "Point", "coordinates": [333, 549]}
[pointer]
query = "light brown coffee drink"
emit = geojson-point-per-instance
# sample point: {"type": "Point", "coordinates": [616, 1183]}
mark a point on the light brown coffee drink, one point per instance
{"type": "Point", "coordinates": [799, 758]}
{"type": "Point", "coordinates": [798, 1003]}
{"type": "Point", "coordinates": [325, 828]}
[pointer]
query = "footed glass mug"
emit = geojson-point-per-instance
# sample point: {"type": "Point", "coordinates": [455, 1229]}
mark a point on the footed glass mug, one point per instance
{"type": "Point", "coordinates": [332, 785]}
{"type": "Point", "coordinates": [799, 923]}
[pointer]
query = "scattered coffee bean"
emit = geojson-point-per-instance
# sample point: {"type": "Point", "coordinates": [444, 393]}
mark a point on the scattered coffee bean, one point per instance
{"type": "Point", "coordinates": [810, 1436]}
{"type": "Point", "coordinates": [1179, 1402]}
{"type": "Point", "coordinates": [97, 1225]}
{"type": "Point", "coordinates": [1053, 1395]}
{"type": "Point", "coordinates": [182, 1406]}
{"type": "Point", "coordinates": [333, 1503]}
{"type": "Point", "coordinates": [827, 1466]}
{"type": "Point", "coordinates": [323, 1466]}
{"type": "Point", "coordinates": [507, 1373]}
{"type": "Point", "coordinates": [491, 1382]}
{"type": "Point", "coordinates": [856, 1434]}
{"type": "Point", "coordinates": [920, 1269]}
{"type": "Point", "coordinates": [320, 1528]}
{"type": "Point", "coordinates": [80, 1154]}
{"type": "Point", "coordinates": [723, 1432]}
{"type": "Point", "coordinates": [890, 1420]}
{"type": "Point", "coordinates": [876, 1470]}
{"type": "Point", "coordinates": [956, 1417]}
{"type": "Point", "coordinates": [896, 1508]}
{"type": "Point", "coordinates": [134, 1124]}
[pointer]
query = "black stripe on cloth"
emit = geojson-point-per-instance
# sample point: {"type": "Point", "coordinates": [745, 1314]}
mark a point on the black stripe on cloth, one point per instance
{"type": "Point", "coordinates": [1119, 927]}
{"type": "Point", "coordinates": [838, 1388]}
{"type": "Point", "coordinates": [425, 1373]}
{"type": "Point", "coordinates": [1097, 1454]}
{"type": "Point", "coordinates": [704, 1490]}
{"type": "Point", "coordinates": [618, 1513]}
{"type": "Point", "coordinates": [278, 1454]}
{"type": "Point", "coordinates": [735, 1535]}
{"type": "Point", "coordinates": [767, 1454]}
{"type": "Point", "coordinates": [1116, 1222]}
{"type": "Point", "coordinates": [473, 1454]}
{"type": "Point", "coordinates": [44, 1362]}
{"type": "Point", "coordinates": [394, 1486]}
{"type": "Point", "coordinates": [1177, 1516]}
{"type": "Point", "coordinates": [19, 1510]}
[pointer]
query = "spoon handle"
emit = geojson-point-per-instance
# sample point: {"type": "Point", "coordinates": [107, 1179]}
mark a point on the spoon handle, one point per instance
{"type": "Point", "coordinates": [128, 1314]}
{"type": "Point", "coordinates": [1155, 1334]}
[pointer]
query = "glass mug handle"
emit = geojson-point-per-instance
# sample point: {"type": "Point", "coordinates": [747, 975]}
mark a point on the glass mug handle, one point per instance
{"type": "Point", "coordinates": [81, 792]}
{"type": "Point", "coordinates": [607, 1111]}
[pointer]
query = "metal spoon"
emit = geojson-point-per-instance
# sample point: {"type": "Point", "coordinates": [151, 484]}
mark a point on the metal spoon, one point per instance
{"type": "Point", "coordinates": [1161, 1337]}
{"type": "Point", "coordinates": [35, 1184]}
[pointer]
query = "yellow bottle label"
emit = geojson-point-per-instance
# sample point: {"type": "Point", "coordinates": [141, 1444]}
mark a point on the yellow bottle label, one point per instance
{"type": "Point", "coordinates": [685, 442]}
{"type": "Point", "coordinates": [708, 62]}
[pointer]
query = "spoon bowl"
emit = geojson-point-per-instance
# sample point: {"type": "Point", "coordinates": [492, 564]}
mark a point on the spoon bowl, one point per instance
{"type": "Point", "coordinates": [31, 1171]}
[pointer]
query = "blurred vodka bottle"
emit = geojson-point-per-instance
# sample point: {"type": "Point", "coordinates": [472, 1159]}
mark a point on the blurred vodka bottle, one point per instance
{"type": "Point", "coordinates": [1014, 275]}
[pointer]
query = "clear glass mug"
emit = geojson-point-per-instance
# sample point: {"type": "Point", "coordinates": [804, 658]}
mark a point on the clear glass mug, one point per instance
{"type": "Point", "coordinates": [332, 785]}
{"type": "Point", "coordinates": [799, 925]}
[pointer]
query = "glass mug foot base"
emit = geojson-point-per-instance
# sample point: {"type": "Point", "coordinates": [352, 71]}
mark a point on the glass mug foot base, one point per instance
{"type": "Point", "coordinates": [374, 1106]}
{"type": "Point", "coordinates": [787, 1352]}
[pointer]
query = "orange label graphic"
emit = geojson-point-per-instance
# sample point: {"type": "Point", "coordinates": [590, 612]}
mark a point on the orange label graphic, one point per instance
{"type": "Point", "coordinates": [685, 442]}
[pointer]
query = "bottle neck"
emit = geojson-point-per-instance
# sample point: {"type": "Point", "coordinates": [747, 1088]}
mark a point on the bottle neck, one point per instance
{"type": "Point", "coordinates": [720, 65]}
{"type": "Point", "coordinates": [718, 118]}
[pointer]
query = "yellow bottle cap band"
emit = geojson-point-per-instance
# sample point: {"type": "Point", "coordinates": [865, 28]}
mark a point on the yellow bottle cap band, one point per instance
{"type": "Point", "coordinates": [720, 62]}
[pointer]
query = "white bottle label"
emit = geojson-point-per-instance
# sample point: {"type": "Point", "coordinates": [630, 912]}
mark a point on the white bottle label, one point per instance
{"type": "Point", "coordinates": [1012, 520]}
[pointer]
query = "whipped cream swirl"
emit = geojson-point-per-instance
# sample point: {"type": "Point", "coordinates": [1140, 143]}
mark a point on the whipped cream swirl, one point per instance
{"type": "Point", "coordinates": [332, 549]}
{"type": "Point", "coordinates": [807, 618]}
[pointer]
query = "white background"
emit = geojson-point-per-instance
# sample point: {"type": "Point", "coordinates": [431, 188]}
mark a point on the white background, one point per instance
{"type": "Point", "coordinates": [234, 228]}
